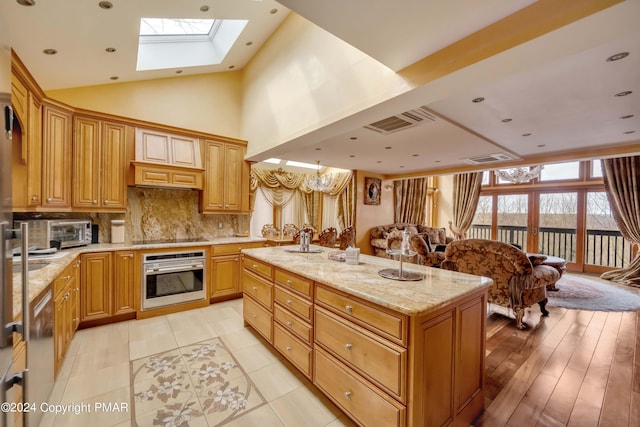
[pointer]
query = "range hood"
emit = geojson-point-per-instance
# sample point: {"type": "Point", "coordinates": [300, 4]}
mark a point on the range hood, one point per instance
{"type": "Point", "coordinates": [167, 161]}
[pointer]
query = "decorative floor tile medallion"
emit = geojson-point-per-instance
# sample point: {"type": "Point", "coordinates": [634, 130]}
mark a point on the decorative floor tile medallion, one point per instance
{"type": "Point", "coordinates": [196, 385]}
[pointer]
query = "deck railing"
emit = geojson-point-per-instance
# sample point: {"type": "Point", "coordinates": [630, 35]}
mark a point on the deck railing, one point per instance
{"type": "Point", "coordinates": [603, 247]}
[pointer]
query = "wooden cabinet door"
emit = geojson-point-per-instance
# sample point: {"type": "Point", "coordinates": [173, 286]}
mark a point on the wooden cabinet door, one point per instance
{"type": "Point", "coordinates": [86, 158]}
{"type": "Point", "coordinates": [235, 194]}
{"type": "Point", "coordinates": [74, 298]}
{"type": "Point", "coordinates": [34, 152]}
{"type": "Point", "coordinates": [95, 286]}
{"type": "Point", "coordinates": [60, 326]}
{"type": "Point", "coordinates": [56, 161]}
{"type": "Point", "coordinates": [213, 194]}
{"type": "Point", "coordinates": [226, 276]}
{"type": "Point", "coordinates": [124, 283]}
{"type": "Point", "coordinates": [113, 169]}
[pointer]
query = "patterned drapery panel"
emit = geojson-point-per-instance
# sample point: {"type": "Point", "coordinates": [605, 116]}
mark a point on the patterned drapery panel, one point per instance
{"type": "Point", "coordinates": [466, 193]}
{"type": "Point", "coordinates": [346, 205]}
{"type": "Point", "coordinates": [622, 184]}
{"type": "Point", "coordinates": [410, 200]}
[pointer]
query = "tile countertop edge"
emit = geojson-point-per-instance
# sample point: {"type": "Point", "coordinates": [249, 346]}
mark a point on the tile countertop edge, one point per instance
{"type": "Point", "coordinates": [436, 289]}
{"type": "Point", "coordinates": [40, 279]}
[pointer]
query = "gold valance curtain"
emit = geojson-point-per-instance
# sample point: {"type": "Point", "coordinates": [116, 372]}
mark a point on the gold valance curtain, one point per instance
{"type": "Point", "coordinates": [411, 200]}
{"type": "Point", "coordinates": [466, 193]}
{"type": "Point", "coordinates": [622, 185]}
{"type": "Point", "coordinates": [289, 180]}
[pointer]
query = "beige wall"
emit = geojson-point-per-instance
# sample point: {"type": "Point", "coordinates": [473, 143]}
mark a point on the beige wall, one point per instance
{"type": "Point", "coordinates": [304, 78]}
{"type": "Point", "coordinates": [368, 216]}
{"type": "Point", "coordinates": [208, 102]}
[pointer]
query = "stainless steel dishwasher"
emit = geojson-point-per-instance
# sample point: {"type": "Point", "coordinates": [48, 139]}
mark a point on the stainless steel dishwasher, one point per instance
{"type": "Point", "coordinates": [40, 354]}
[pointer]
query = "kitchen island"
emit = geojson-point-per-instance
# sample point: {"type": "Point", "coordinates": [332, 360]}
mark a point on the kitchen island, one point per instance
{"type": "Point", "coordinates": [386, 352]}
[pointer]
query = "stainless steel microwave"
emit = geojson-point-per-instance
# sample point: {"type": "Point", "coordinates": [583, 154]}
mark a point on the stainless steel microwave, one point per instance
{"type": "Point", "coordinates": [61, 233]}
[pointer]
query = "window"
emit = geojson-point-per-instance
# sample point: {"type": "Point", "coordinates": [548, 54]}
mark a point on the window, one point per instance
{"type": "Point", "coordinates": [596, 168]}
{"type": "Point", "coordinates": [560, 171]}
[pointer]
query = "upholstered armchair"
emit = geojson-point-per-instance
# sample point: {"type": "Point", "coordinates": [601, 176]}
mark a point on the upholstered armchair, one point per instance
{"type": "Point", "coordinates": [270, 231]}
{"type": "Point", "coordinates": [289, 230]}
{"type": "Point", "coordinates": [296, 237]}
{"type": "Point", "coordinates": [327, 237]}
{"type": "Point", "coordinates": [347, 238]}
{"type": "Point", "coordinates": [516, 282]}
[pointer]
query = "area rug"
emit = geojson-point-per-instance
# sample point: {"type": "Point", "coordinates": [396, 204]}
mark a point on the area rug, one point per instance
{"type": "Point", "coordinates": [585, 294]}
{"type": "Point", "coordinates": [199, 384]}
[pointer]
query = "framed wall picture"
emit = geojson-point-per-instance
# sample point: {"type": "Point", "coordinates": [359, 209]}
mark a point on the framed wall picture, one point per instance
{"type": "Point", "coordinates": [372, 191]}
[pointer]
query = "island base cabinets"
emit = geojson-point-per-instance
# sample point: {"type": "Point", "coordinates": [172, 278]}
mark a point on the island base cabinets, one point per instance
{"type": "Point", "coordinates": [66, 291]}
{"type": "Point", "coordinates": [258, 317]}
{"type": "Point", "coordinates": [257, 290]}
{"type": "Point", "coordinates": [448, 350]}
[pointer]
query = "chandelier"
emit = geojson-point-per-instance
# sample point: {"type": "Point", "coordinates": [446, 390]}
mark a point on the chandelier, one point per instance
{"type": "Point", "coordinates": [519, 174]}
{"type": "Point", "coordinates": [319, 182]}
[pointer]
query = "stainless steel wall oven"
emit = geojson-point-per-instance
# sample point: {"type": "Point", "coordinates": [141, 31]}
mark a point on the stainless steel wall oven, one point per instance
{"type": "Point", "coordinates": [172, 278]}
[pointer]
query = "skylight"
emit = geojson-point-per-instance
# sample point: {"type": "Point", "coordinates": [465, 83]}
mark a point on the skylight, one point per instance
{"type": "Point", "coordinates": [175, 27]}
{"type": "Point", "coordinates": [180, 43]}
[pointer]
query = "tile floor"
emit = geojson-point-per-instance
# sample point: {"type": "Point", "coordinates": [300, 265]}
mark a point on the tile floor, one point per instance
{"type": "Point", "coordinates": [97, 368]}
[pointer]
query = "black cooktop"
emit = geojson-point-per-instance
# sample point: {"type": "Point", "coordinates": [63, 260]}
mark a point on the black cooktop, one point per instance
{"type": "Point", "coordinates": [163, 241]}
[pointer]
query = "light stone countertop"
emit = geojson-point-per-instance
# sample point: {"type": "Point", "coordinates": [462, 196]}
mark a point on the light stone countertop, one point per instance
{"type": "Point", "coordinates": [437, 289]}
{"type": "Point", "coordinates": [41, 278]}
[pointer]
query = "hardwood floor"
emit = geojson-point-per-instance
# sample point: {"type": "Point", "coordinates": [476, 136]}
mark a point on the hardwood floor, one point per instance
{"type": "Point", "coordinates": [573, 368]}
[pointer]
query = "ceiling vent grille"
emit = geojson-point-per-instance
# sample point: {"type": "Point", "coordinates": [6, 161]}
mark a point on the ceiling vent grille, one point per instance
{"type": "Point", "coordinates": [489, 158]}
{"type": "Point", "coordinates": [402, 121]}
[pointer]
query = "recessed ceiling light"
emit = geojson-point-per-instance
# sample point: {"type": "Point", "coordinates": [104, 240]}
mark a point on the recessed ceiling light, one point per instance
{"type": "Point", "coordinates": [437, 161]}
{"type": "Point", "coordinates": [387, 148]}
{"type": "Point", "coordinates": [105, 5]}
{"type": "Point", "coordinates": [204, 8]}
{"type": "Point", "coordinates": [476, 100]}
{"type": "Point", "coordinates": [618, 56]}
{"type": "Point", "coordinates": [401, 167]}
{"type": "Point", "coordinates": [352, 155]}
{"type": "Point", "coordinates": [624, 93]}
{"type": "Point", "coordinates": [506, 120]}
{"type": "Point", "coordinates": [379, 161]}
{"type": "Point", "coordinates": [26, 2]}
{"type": "Point", "coordinates": [50, 51]}
{"type": "Point", "coordinates": [114, 77]}
{"type": "Point", "coordinates": [272, 11]}
{"type": "Point", "coordinates": [630, 132]}
{"type": "Point", "coordinates": [541, 145]}
{"type": "Point", "coordinates": [353, 138]}
{"type": "Point", "coordinates": [628, 116]}
{"type": "Point", "coordinates": [178, 71]}
{"type": "Point", "coordinates": [526, 134]}
{"type": "Point", "coordinates": [249, 43]}
{"type": "Point", "coordinates": [415, 155]}
{"type": "Point", "coordinates": [110, 49]}
{"type": "Point", "coordinates": [231, 67]}
{"type": "Point", "coordinates": [318, 149]}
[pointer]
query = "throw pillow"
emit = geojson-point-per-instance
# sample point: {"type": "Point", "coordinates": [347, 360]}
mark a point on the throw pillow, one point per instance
{"type": "Point", "coordinates": [537, 259]}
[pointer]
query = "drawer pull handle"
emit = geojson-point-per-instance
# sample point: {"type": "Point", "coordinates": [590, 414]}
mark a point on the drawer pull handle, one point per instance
{"type": "Point", "coordinates": [255, 266]}
{"type": "Point", "coordinates": [349, 308]}
{"type": "Point", "coordinates": [347, 395]}
{"type": "Point", "coordinates": [254, 316]}
{"type": "Point", "coordinates": [288, 348]}
{"type": "Point", "coordinates": [288, 302]}
{"type": "Point", "coordinates": [288, 282]}
{"type": "Point", "coordinates": [255, 289]}
{"type": "Point", "coordinates": [348, 346]}
{"type": "Point", "coordinates": [289, 324]}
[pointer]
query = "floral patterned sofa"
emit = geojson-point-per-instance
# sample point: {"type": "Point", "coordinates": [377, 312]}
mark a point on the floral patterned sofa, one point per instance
{"type": "Point", "coordinates": [517, 283]}
{"type": "Point", "coordinates": [379, 236]}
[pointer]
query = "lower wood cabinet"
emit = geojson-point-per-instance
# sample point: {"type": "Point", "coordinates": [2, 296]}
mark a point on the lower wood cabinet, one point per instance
{"type": "Point", "coordinates": [108, 285]}
{"type": "Point", "coordinates": [66, 289]}
{"type": "Point", "coordinates": [226, 269]}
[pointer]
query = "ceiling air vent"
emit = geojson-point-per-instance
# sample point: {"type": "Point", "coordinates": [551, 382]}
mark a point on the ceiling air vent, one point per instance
{"type": "Point", "coordinates": [402, 121]}
{"type": "Point", "coordinates": [489, 158]}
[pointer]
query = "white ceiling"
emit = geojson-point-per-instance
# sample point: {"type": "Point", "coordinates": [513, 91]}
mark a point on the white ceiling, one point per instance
{"type": "Point", "coordinates": [558, 87]}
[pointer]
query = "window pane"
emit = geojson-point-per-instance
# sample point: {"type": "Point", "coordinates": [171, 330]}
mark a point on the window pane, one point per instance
{"type": "Point", "coordinates": [512, 219]}
{"type": "Point", "coordinates": [605, 244]}
{"type": "Point", "coordinates": [485, 178]}
{"type": "Point", "coordinates": [558, 222]}
{"type": "Point", "coordinates": [596, 168]}
{"type": "Point", "coordinates": [558, 171]}
{"type": "Point", "coordinates": [481, 224]}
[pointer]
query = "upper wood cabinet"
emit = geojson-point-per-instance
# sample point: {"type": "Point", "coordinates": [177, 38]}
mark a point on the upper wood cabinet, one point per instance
{"type": "Point", "coordinates": [27, 152]}
{"type": "Point", "coordinates": [56, 157]}
{"type": "Point", "coordinates": [99, 164]}
{"type": "Point", "coordinates": [164, 148]}
{"type": "Point", "coordinates": [226, 185]}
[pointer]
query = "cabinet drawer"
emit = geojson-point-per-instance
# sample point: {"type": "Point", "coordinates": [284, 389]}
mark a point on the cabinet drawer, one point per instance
{"type": "Point", "coordinates": [293, 282]}
{"type": "Point", "coordinates": [295, 303]}
{"type": "Point", "coordinates": [293, 323]}
{"type": "Point", "coordinates": [258, 267]}
{"type": "Point", "coordinates": [368, 406]}
{"type": "Point", "coordinates": [388, 324]}
{"type": "Point", "coordinates": [61, 281]}
{"type": "Point", "coordinates": [255, 315]}
{"type": "Point", "coordinates": [258, 288]}
{"type": "Point", "coordinates": [293, 349]}
{"type": "Point", "coordinates": [382, 362]}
